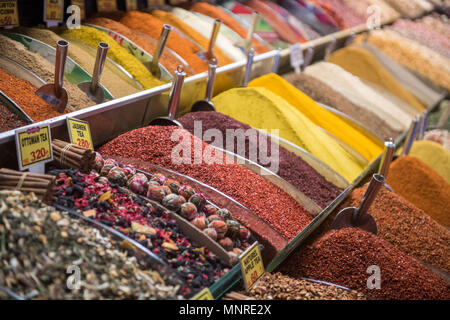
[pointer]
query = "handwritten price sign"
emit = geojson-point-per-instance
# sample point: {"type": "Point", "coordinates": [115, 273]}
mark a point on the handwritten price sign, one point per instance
{"type": "Point", "coordinates": [9, 13]}
{"type": "Point", "coordinates": [106, 5]}
{"type": "Point", "coordinates": [252, 266]}
{"type": "Point", "coordinates": [80, 133]}
{"type": "Point", "coordinates": [33, 146]}
{"type": "Point", "coordinates": [53, 10]}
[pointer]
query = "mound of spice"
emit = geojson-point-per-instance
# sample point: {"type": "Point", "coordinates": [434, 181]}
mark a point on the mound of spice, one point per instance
{"type": "Point", "coordinates": [144, 41]}
{"type": "Point", "coordinates": [42, 247]}
{"type": "Point", "coordinates": [44, 69]}
{"type": "Point", "coordinates": [154, 144]}
{"type": "Point", "coordinates": [96, 197]}
{"type": "Point", "coordinates": [421, 185]}
{"type": "Point", "coordinates": [344, 256]}
{"type": "Point", "coordinates": [433, 154]}
{"type": "Point", "coordinates": [323, 93]}
{"type": "Point", "coordinates": [407, 227]}
{"type": "Point", "coordinates": [290, 167]}
{"type": "Point", "coordinates": [8, 119]}
{"type": "Point", "coordinates": [276, 286]}
{"type": "Point", "coordinates": [92, 37]}
{"type": "Point", "coordinates": [23, 93]}
{"type": "Point", "coordinates": [152, 26]}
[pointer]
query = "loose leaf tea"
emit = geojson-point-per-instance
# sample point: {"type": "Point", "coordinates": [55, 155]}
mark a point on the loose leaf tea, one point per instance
{"type": "Point", "coordinates": [8, 119]}
{"type": "Point", "coordinates": [46, 254]}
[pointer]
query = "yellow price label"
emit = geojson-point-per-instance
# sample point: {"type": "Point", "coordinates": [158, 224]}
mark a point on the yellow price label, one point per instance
{"type": "Point", "coordinates": [205, 294]}
{"type": "Point", "coordinates": [80, 133]}
{"type": "Point", "coordinates": [131, 5]}
{"type": "Point", "coordinates": [80, 4]}
{"type": "Point", "coordinates": [53, 10]}
{"type": "Point", "coordinates": [9, 13]}
{"type": "Point", "coordinates": [151, 3]}
{"type": "Point", "coordinates": [33, 145]}
{"type": "Point", "coordinates": [106, 5]}
{"type": "Point", "coordinates": [252, 266]}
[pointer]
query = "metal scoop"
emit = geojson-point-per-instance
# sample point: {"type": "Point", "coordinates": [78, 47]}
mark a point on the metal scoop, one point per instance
{"type": "Point", "coordinates": [251, 31]}
{"type": "Point", "coordinates": [55, 94]}
{"type": "Point", "coordinates": [248, 67]}
{"type": "Point", "coordinates": [386, 159]}
{"type": "Point", "coordinates": [154, 67]}
{"type": "Point", "coordinates": [411, 136]}
{"type": "Point", "coordinates": [92, 88]}
{"type": "Point", "coordinates": [206, 104]}
{"type": "Point", "coordinates": [209, 54]}
{"type": "Point", "coordinates": [174, 101]}
{"type": "Point", "coordinates": [352, 217]}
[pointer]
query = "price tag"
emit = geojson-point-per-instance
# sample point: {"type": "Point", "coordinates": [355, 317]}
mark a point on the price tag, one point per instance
{"type": "Point", "coordinates": [9, 13]}
{"type": "Point", "coordinates": [205, 294]}
{"type": "Point", "coordinates": [53, 10]}
{"type": "Point", "coordinates": [34, 146]}
{"type": "Point", "coordinates": [131, 5]}
{"type": "Point", "coordinates": [252, 266]}
{"type": "Point", "coordinates": [80, 133]}
{"type": "Point", "coordinates": [106, 5]}
{"type": "Point", "coordinates": [152, 3]}
{"type": "Point", "coordinates": [80, 3]}
{"type": "Point", "coordinates": [296, 57]}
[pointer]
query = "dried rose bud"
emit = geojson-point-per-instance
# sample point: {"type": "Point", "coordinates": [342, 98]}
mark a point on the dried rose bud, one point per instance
{"type": "Point", "coordinates": [199, 200]}
{"type": "Point", "coordinates": [226, 243]}
{"type": "Point", "coordinates": [173, 202]}
{"type": "Point", "coordinates": [138, 183]}
{"type": "Point", "coordinates": [211, 232]}
{"type": "Point", "coordinates": [174, 185]}
{"type": "Point", "coordinates": [209, 210]}
{"type": "Point", "coordinates": [224, 213]}
{"type": "Point", "coordinates": [233, 229]}
{"type": "Point", "coordinates": [220, 226]}
{"type": "Point", "coordinates": [186, 191]}
{"type": "Point", "coordinates": [99, 162]}
{"type": "Point", "coordinates": [214, 217]}
{"type": "Point", "coordinates": [116, 175]}
{"type": "Point", "coordinates": [129, 170]}
{"type": "Point", "coordinates": [158, 177]}
{"type": "Point", "coordinates": [200, 222]}
{"type": "Point", "coordinates": [157, 193]}
{"type": "Point", "coordinates": [188, 211]}
{"type": "Point", "coordinates": [106, 168]}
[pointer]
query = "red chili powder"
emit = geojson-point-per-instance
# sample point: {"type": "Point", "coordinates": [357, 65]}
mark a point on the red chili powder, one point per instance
{"type": "Point", "coordinates": [343, 257]}
{"type": "Point", "coordinates": [23, 93]}
{"type": "Point", "coordinates": [154, 144]}
{"type": "Point", "coordinates": [418, 183]}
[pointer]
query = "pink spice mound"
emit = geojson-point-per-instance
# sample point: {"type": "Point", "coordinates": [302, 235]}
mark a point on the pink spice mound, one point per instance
{"type": "Point", "coordinates": [343, 256]}
{"type": "Point", "coordinates": [154, 144]}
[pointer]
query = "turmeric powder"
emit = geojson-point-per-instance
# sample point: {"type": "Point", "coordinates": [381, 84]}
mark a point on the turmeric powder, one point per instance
{"type": "Point", "coordinates": [434, 155]}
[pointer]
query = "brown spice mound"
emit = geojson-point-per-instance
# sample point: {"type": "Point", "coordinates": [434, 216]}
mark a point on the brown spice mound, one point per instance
{"type": "Point", "coordinates": [418, 183]}
{"type": "Point", "coordinates": [321, 92]}
{"type": "Point", "coordinates": [276, 286]}
{"type": "Point", "coordinates": [343, 257]}
{"type": "Point", "coordinates": [8, 119]}
{"type": "Point", "coordinates": [407, 227]}
{"type": "Point", "coordinates": [23, 93]}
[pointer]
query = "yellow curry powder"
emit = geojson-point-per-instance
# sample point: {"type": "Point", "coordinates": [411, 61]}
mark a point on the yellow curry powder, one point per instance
{"type": "Point", "coordinates": [367, 145]}
{"type": "Point", "coordinates": [173, 20]}
{"type": "Point", "coordinates": [363, 64]}
{"type": "Point", "coordinates": [92, 37]}
{"type": "Point", "coordinates": [262, 109]}
{"type": "Point", "coordinates": [434, 155]}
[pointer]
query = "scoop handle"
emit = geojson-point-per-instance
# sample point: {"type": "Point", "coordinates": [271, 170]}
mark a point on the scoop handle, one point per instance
{"type": "Point", "coordinates": [154, 67]}
{"type": "Point", "coordinates": [251, 30]}
{"type": "Point", "coordinates": [212, 40]}
{"type": "Point", "coordinates": [211, 79]}
{"type": "Point", "coordinates": [386, 158]}
{"type": "Point", "coordinates": [411, 136]}
{"type": "Point", "coordinates": [175, 94]}
{"type": "Point", "coordinates": [276, 61]}
{"type": "Point", "coordinates": [60, 64]}
{"type": "Point", "coordinates": [371, 193]}
{"type": "Point", "coordinates": [100, 59]}
{"type": "Point", "coordinates": [248, 67]}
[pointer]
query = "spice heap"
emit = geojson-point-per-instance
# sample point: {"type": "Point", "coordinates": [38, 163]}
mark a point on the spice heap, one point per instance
{"type": "Point", "coordinates": [182, 199]}
{"type": "Point", "coordinates": [154, 144]}
{"type": "Point", "coordinates": [8, 119]}
{"type": "Point", "coordinates": [92, 37]}
{"type": "Point", "coordinates": [22, 92]}
{"type": "Point", "coordinates": [151, 26]}
{"type": "Point", "coordinates": [110, 79]}
{"type": "Point", "coordinates": [343, 256]}
{"type": "Point", "coordinates": [420, 184]}
{"type": "Point", "coordinates": [276, 286]}
{"type": "Point", "coordinates": [44, 69]}
{"type": "Point", "coordinates": [104, 201]}
{"type": "Point", "coordinates": [434, 155]}
{"type": "Point", "coordinates": [266, 110]}
{"type": "Point", "coordinates": [368, 146]}
{"type": "Point", "coordinates": [41, 245]}
{"type": "Point", "coordinates": [288, 166]}
{"type": "Point", "coordinates": [323, 93]}
{"type": "Point", "coordinates": [144, 41]}
{"type": "Point", "coordinates": [407, 227]}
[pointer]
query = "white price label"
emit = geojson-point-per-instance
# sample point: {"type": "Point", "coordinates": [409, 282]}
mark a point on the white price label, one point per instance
{"type": "Point", "coordinates": [296, 57]}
